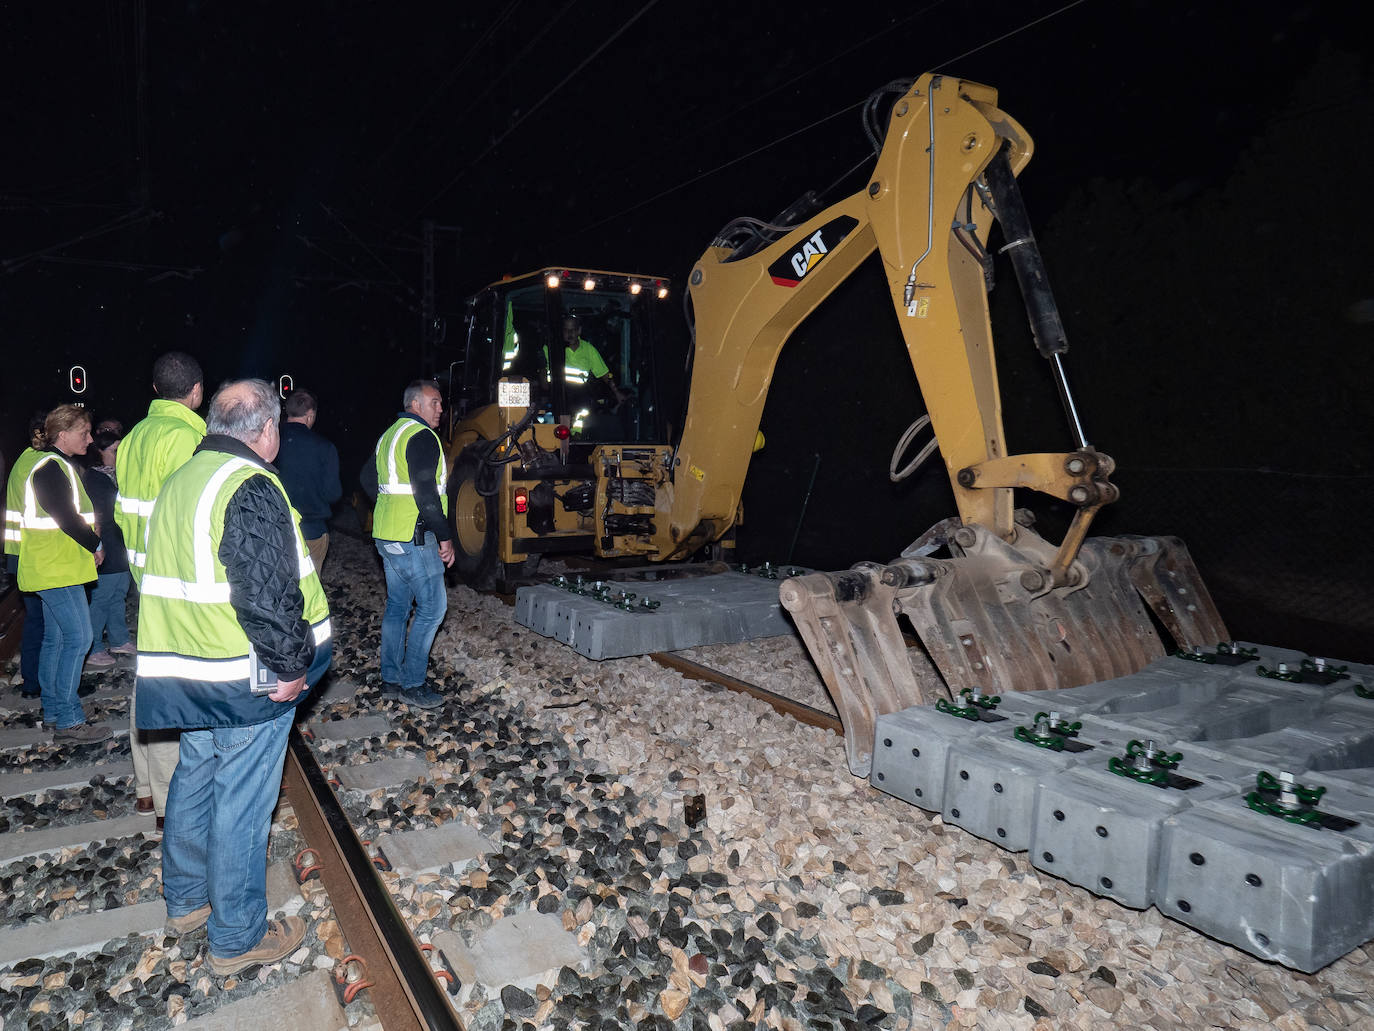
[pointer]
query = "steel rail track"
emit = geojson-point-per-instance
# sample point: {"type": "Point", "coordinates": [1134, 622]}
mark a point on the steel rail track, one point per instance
{"type": "Point", "coordinates": [692, 670]}
{"type": "Point", "coordinates": [799, 711]}
{"type": "Point", "coordinates": [404, 990]}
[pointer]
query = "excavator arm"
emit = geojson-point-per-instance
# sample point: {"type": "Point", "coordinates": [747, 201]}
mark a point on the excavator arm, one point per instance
{"type": "Point", "coordinates": [1007, 610]}
{"type": "Point", "coordinates": [944, 135]}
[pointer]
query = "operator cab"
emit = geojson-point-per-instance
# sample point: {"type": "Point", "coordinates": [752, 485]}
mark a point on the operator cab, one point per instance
{"type": "Point", "coordinates": [598, 329]}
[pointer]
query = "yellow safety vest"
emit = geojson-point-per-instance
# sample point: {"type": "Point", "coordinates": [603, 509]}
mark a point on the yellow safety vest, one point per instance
{"type": "Point", "coordinates": [14, 497]}
{"type": "Point", "coordinates": [395, 515]}
{"type": "Point", "coordinates": [49, 558]}
{"type": "Point", "coordinates": [193, 656]}
{"type": "Point", "coordinates": [158, 445]}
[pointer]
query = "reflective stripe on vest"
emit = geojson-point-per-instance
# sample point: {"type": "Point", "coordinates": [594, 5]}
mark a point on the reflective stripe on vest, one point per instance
{"type": "Point", "coordinates": [152, 451]}
{"type": "Point", "coordinates": [14, 497]}
{"type": "Point", "coordinates": [217, 671]}
{"type": "Point", "coordinates": [133, 507]}
{"type": "Point", "coordinates": [31, 519]}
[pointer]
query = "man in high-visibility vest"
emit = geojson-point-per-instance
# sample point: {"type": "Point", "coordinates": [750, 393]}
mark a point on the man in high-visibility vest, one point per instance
{"type": "Point", "coordinates": [233, 627]}
{"type": "Point", "coordinates": [411, 531]}
{"type": "Point", "coordinates": [152, 451]}
{"type": "Point", "coordinates": [582, 362]}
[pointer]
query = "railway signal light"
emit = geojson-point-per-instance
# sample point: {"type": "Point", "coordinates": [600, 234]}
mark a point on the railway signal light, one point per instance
{"type": "Point", "coordinates": [285, 385]}
{"type": "Point", "coordinates": [76, 379]}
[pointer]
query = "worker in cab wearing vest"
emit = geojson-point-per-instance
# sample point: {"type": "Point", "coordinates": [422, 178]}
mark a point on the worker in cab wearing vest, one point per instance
{"type": "Point", "coordinates": [59, 551]}
{"type": "Point", "coordinates": [233, 627]}
{"type": "Point", "coordinates": [411, 531]}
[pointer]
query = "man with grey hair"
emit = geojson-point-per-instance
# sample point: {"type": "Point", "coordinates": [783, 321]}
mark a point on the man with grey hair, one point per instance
{"type": "Point", "coordinates": [233, 627]}
{"type": "Point", "coordinates": [411, 531]}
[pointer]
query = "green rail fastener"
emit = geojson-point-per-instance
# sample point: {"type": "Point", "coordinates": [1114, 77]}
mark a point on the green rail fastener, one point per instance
{"type": "Point", "coordinates": [1145, 763]}
{"type": "Point", "coordinates": [1195, 654]}
{"type": "Point", "coordinates": [976, 702]}
{"type": "Point", "coordinates": [1282, 672]}
{"type": "Point", "coordinates": [648, 604]}
{"type": "Point", "coordinates": [1061, 727]}
{"type": "Point", "coordinates": [1044, 734]}
{"type": "Point", "coordinates": [1283, 797]}
{"type": "Point", "coordinates": [626, 600]}
{"type": "Point", "coordinates": [1225, 648]}
{"type": "Point", "coordinates": [1322, 667]}
{"type": "Point", "coordinates": [1362, 691]}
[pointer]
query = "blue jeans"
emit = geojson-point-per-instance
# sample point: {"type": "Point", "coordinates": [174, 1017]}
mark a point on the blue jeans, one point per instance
{"type": "Point", "coordinates": [219, 813]}
{"type": "Point", "coordinates": [31, 643]}
{"type": "Point", "coordinates": [414, 576]}
{"type": "Point", "coordinates": [66, 640]}
{"type": "Point", "coordinates": [108, 610]}
{"type": "Point", "coordinates": [31, 648]}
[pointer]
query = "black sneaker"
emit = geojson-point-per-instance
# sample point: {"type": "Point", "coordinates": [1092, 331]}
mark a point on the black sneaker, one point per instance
{"type": "Point", "coordinates": [421, 698]}
{"type": "Point", "coordinates": [391, 691]}
{"type": "Point", "coordinates": [25, 691]}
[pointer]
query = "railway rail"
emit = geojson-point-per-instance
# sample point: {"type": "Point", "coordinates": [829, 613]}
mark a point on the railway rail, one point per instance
{"type": "Point", "coordinates": [402, 986]}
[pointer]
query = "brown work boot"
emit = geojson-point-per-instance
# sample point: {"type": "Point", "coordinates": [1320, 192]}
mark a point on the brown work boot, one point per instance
{"type": "Point", "coordinates": [192, 921]}
{"type": "Point", "coordinates": [82, 734]}
{"type": "Point", "coordinates": [283, 937]}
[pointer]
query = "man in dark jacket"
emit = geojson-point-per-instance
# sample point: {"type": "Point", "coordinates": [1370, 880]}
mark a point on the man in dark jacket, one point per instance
{"type": "Point", "coordinates": [309, 467]}
{"type": "Point", "coordinates": [233, 626]}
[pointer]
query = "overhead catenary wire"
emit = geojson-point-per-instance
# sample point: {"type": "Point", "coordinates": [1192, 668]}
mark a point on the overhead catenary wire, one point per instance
{"type": "Point", "coordinates": [810, 72]}
{"type": "Point", "coordinates": [359, 241]}
{"type": "Point", "coordinates": [457, 69]}
{"type": "Point", "coordinates": [122, 222]}
{"type": "Point", "coordinates": [811, 125]}
{"type": "Point", "coordinates": [548, 94]}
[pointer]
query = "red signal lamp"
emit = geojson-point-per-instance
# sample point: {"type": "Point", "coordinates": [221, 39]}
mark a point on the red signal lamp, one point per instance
{"type": "Point", "coordinates": [562, 432]}
{"type": "Point", "coordinates": [522, 501]}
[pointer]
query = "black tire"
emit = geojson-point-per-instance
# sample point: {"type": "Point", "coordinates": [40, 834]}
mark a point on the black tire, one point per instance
{"type": "Point", "coordinates": [516, 571]}
{"type": "Point", "coordinates": [476, 521]}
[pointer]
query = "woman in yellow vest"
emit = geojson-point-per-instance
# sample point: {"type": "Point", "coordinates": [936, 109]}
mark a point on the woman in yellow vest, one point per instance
{"type": "Point", "coordinates": [58, 554]}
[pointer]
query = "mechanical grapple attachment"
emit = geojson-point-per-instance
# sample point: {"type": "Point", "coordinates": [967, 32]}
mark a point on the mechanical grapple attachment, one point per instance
{"type": "Point", "coordinates": [990, 618]}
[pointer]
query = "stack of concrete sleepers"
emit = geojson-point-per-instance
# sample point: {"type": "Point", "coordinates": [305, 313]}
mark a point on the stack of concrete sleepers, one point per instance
{"type": "Point", "coordinates": [1236, 794]}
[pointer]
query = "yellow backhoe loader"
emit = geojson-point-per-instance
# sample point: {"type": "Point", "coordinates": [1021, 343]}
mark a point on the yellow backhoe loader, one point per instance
{"type": "Point", "coordinates": [1006, 609]}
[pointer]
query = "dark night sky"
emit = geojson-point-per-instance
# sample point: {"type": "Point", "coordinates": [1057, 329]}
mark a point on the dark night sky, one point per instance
{"type": "Point", "coordinates": [274, 162]}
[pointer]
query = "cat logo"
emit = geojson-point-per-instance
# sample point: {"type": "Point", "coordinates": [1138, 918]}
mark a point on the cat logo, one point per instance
{"type": "Point", "coordinates": [790, 270]}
